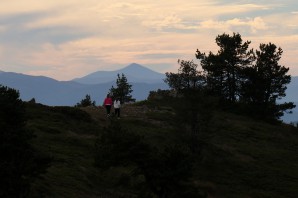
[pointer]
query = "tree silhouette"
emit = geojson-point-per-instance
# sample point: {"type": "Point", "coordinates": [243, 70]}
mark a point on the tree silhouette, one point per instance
{"type": "Point", "coordinates": [224, 69]}
{"type": "Point", "coordinates": [266, 82]}
{"type": "Point", "coordinates": [122, 90]}
{"type": "Point", "coordinates": [86, 102]}
{"type": "Point", "coordinates": [19, 162]}
{"type": "Point", "coordinates": [188, 77]}
{"type": "Point", "coordinates": [193, 104]}
{"type": "Point", "coordinates": [254, 78]}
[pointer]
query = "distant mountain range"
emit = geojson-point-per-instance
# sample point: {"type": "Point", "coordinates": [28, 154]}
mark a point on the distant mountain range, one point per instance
{"type": "Point", "coordinates": [51, 92]}
{"type": "Point", "coordinates": [292, 96]}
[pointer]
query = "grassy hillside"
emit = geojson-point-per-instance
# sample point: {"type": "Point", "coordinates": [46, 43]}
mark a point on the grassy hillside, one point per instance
{"type": "Point", "coordinates": [241, 157]}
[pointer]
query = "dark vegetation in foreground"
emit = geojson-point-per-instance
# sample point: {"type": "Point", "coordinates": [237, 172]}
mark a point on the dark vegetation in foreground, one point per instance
{"type": "Point", "coordinates": [147, 153]}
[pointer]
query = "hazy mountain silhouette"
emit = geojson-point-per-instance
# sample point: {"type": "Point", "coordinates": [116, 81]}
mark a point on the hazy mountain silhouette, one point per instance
{"type": "Point", "coordinates": [51, 92]}
{"type": "Point", "coordinates": [292, 96]}
{"type": "Point", "coordinates": [292, 90]}
{"type": "Point", "coordinates": [134, 72]}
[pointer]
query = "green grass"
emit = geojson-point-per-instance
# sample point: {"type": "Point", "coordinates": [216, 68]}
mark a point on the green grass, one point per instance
{"type": "Point", "coordinates": [241, 157]}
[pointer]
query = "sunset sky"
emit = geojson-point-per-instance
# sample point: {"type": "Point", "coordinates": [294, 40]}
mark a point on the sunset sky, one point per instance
{"type": "Point", "coordinates": [65, 39]}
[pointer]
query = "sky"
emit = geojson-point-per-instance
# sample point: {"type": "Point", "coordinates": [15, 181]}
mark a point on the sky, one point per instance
{"type": "Point", "coordinates": [72, 38]}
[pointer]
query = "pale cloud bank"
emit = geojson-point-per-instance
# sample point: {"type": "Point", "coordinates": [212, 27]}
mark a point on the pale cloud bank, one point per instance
{"type": "Point", "coordinates": [72, 38]}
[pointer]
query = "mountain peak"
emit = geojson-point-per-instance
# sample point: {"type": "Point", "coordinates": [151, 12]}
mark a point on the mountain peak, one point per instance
{"type": "Point", "coordinates": [134, 65]}
{"type": "Point", "coordinates": [134, 72]}
{"type": "Point", "coordinates": [136, 69]}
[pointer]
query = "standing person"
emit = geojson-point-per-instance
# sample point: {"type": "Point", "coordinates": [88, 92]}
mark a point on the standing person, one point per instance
{"type": "Point", "coordinates": [117, 106]}
{"type": "Point", "coordinates": [108, 104]}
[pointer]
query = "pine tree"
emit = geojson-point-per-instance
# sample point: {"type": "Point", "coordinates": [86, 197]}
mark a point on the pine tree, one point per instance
{"type": "Point", "coordinates": [122, 90]}
{"type": "Point", "coordinates": [224, 69]}
{"type": "Point", "coordinates": [188, 77]}
{"type": "Point", "coordinates": [266, 82]}
{"type": "Point", "coordinates": [86, 102]}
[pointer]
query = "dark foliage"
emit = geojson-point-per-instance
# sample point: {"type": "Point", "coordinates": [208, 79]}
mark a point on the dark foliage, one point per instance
{"type": "Point", "coordinates": [74, 113]}
{"type": "Point", "coordinates": [20, 163]}
{"type": "Point", "coordinates": [122, 90]}
{"type": "Point", "coordinates": [160, 94]}
{"type": "Point", "coordinates": [193, 104]}
{"type": "Point", "coordinates": [86, 102]}
{"type": "Point", "coordinates": [266, 83]}
{"type": "Point", "coordinates": [224, 69]}
{"type": "Point", "coordinates": [118, 147]}
{"type": "Point", "coordinates": [188, 77]}
{"type": "Point", "coordinates": [252, 79]}
{"type": "Point", "coordinates": [166, 170]}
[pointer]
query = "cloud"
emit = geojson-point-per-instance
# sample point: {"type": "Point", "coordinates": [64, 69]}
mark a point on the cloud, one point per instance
{"type": "Point", "coordinates": [71, 38]}
{"type": "Point", "coordinates": [170, 23]}
{"type": "Point", "coordinates": [254, 24]}
{"type": "Point", "coordinates": [2, 28]}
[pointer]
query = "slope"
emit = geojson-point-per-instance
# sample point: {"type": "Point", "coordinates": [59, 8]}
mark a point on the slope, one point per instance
{"type": "Point", "coordinates": [242, 157]}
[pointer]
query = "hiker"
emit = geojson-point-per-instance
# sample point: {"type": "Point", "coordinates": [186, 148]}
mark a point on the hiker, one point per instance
{"type": "Point", "coordinates": [108, 104]}
{"type": "Point", "coordinates": [117, 106]}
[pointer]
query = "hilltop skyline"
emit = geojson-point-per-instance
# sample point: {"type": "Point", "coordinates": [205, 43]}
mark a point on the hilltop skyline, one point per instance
{"type": "Point", "coordinates": [68, 39]}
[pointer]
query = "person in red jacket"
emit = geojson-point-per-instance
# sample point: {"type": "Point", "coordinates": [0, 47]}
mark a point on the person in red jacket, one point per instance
{"type": "Point", "coordinates": [108, 104]}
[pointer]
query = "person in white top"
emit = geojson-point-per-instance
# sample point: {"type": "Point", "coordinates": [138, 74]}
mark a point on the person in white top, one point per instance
{"type": "Point", "coordinates": [117, 105]}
